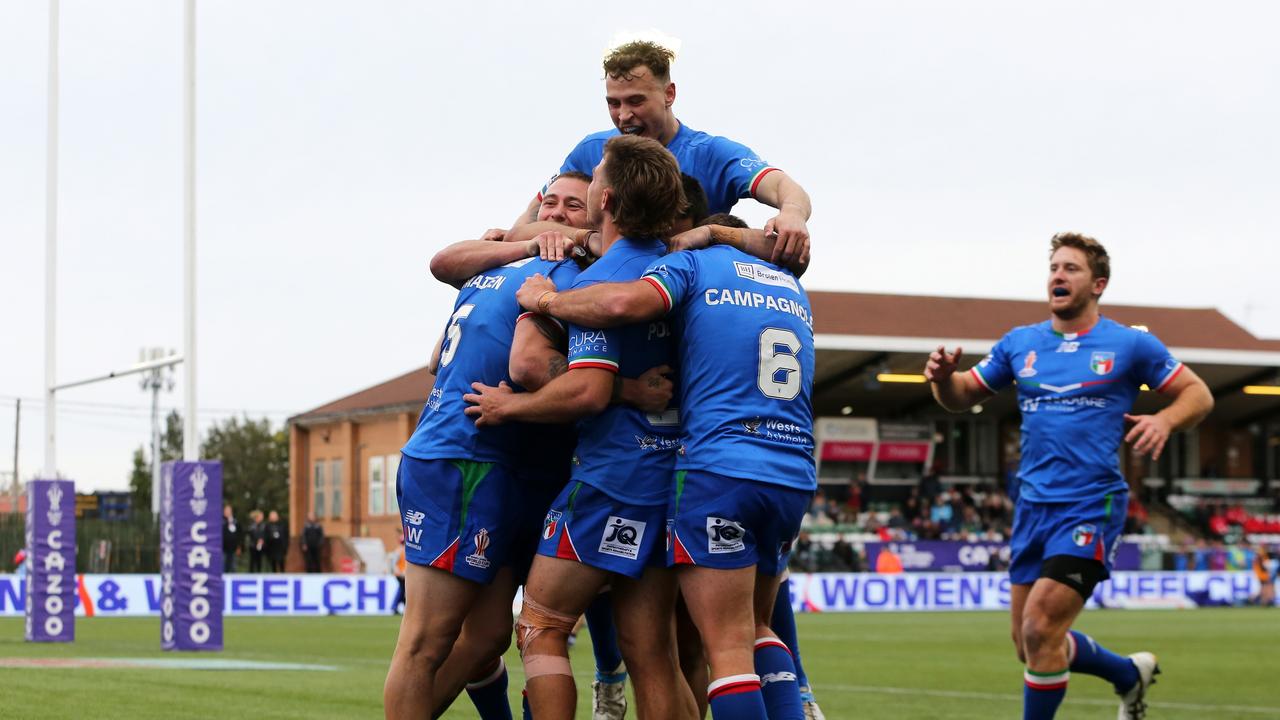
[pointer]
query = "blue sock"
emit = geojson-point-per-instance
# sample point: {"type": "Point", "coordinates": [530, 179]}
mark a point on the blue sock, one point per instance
{"type": "Point", "coordinates": [604, 640]}
{"type": "Point", "coordinates": [490, 695]}
{"type": "Point", "coordinates": [783, 623]}
{"type": "Point", "coordinates": [1042, 694]}
{"type": "Point", "coordinates": [1091, 658]}
{"type": "Point", "coordinates": [778, 680]}
{"type": "Point", "coordinates": [736, 697]}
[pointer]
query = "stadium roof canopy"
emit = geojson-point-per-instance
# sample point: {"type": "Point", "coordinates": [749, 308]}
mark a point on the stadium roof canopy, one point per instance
{"type": "Point", "coordinates": [862, 336]}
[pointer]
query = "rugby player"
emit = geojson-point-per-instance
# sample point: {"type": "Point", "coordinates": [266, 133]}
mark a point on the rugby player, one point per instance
{"type": "Point", "coordinates": [640, 96]}
{"type": "Point", "coordinates": [605, 526]}
{"type": "Point", "coordinates": [457, 488]}
{"type": "Point", "coordinates": [541, 457]}
{"type": "Point", "coordinates": [745, 471]}
{"type": "Point", "coordinates": [1078, 374]}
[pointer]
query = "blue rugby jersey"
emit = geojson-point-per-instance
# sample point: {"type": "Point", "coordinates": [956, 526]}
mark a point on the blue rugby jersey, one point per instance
{"type": "Point", "coordinates": [623, 451]}
{"type": "Point", "coordinates": [1073, 391]}
{"type": "Point", "coordinates": [726, 169]}
{"type": "Point", "coordinates": [747, 363]}
{"type": "Point", "coordinates": [477, 347]}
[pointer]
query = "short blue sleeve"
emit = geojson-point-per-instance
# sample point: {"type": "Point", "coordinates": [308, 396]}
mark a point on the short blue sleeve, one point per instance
{"type": "Point", "coordinates": [672, 276]}
{"type": "Point", "coordinates": [735, 166]}
{"type": "Point", "coordinates": [1153, 364]}
{"type": "Point", "coordinates": [591, 348]}
{"type": "Point", "coordinates": [995, 372]}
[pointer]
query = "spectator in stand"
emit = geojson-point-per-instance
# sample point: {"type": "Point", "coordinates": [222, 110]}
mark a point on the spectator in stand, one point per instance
{"type": "Point", "coordinates": [930, 485]}
{"type": "Point", "coordinates": [896, 520]}
{"type": "Point", "coordinates": [970, 527]}
{"type": "Point", "coordinates": [312, 541]}
{"type": "Point", "coordinates": [941, 514]}
{"type": "Point", "coordinates": [230, 540]}
{"type": "Point", "coordinates": [844, 553]}
{"type": "Point", "coordinates": [856, 502]}
{"type": "Point", "coordinates": [911, 507]}
{"type": "Point", "coordinates": [802, 558]}
{"type": "Point", "coordinates": [277, 542]}
{"type": "Point", "coordinates": [257, 538]}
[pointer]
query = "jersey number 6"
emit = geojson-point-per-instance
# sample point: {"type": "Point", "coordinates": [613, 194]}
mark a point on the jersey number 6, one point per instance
{"type": "Point", "coordinates": [778, 375]}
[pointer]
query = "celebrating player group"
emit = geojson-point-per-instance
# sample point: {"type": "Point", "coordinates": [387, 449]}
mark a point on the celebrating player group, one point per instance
{"type": "Point", "coordinates": [622, 424]}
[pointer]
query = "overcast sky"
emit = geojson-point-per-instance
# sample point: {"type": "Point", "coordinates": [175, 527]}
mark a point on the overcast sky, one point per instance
{"type": "Point", "coordinates": [341, 143]}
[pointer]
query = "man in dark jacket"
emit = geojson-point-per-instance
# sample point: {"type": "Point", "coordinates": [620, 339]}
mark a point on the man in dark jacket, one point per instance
{"type": "Point", "coordinates": [312, 541]}
{"type": "Point", "coordinates": [277, 542]}
{"type": "Point", "coordinates": [230, 539]}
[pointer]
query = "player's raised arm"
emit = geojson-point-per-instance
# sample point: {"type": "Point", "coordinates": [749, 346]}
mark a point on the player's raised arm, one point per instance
{"type": "Point", "coordinates": [954, 391]}
{"type": "Point", "coordinates": [464, 260]}
{"type": "Point", "coordinates": [779, 190]}
{"type": "Point", "coordinates": [749, 240]}
{"type": "Point", "coordinates": [1192, 402]}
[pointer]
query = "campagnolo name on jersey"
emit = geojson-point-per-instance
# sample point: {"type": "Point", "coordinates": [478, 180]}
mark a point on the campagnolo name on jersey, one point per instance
{"type": "Point", "coordinates": [745, 298]}
{"type": "Point", "coordinates": [485, 282]}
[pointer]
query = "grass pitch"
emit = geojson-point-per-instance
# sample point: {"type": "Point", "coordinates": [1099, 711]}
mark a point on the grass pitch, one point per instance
{"type": "Point", "coordinates": [1217, 663]}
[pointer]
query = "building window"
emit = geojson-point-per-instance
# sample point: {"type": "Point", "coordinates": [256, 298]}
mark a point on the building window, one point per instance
{"type": "Point", "coordinates": [393, 468]}
{"type": "Point", "coordinates": [317, 490]}
{"type": "Point", "coordinates": [377, 485]}
{"type": "Point", "coordinates": [335, 488]}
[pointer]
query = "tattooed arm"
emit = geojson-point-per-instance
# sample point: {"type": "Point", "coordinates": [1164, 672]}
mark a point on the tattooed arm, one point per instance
{"type": "Point", "coordinates": [537, 352]}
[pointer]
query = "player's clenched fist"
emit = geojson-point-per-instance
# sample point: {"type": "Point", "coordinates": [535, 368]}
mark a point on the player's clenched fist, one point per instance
{"type": "Point", "coordinates": [941, 365]}
{"type": "Point", "coordinates": [534, 287]}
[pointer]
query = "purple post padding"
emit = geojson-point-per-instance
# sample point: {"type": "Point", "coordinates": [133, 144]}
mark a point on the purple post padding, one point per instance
{"type": "Point", "coordinates": [191, 587]}
{"type": "Point", "coordinates": [51, 552]}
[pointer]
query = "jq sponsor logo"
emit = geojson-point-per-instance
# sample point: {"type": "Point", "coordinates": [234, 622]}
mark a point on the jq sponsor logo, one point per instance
{"type": "Point", "coordinates": [622, 537]}
{"type": "Point", "coordinates": [724, 536]}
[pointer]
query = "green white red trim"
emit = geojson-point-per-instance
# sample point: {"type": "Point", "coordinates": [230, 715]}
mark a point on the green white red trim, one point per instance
{"type": "Point", "coordinates": [981, 380]}
{"type": "Point", "coordinates": [755, 181]}
{"type": "Point", "coordinates": [594, 361]}
{"type": "Point", "coordinates": [661, 287]}
{"type": "Point", "coordinates": [1046, 681]}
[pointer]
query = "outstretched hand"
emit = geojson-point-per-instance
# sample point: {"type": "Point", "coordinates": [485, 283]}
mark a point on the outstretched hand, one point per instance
{"type": "Point", "coordinates": [941, 365]}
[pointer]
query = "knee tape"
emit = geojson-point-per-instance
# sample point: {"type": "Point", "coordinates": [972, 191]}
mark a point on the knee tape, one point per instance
{"type": "Point", "coordinates": [536, 619]}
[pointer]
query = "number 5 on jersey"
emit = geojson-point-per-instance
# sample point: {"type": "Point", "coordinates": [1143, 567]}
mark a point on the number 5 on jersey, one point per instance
{"type": "Point", "coordinates": [453, 334]}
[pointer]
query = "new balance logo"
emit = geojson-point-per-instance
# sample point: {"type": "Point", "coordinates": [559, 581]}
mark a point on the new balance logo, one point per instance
{"type": "Point", "coordinates": [414, 517]}
{"type": "Point", "coordinates": [783, 676]}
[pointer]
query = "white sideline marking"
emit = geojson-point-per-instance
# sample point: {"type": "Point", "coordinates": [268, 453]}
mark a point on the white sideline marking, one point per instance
{"type": "Point", "coordinates": [825, 687]}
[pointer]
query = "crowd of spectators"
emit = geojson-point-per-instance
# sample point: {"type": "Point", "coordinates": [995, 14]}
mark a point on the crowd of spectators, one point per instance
{"type": "Point", "coordinates": [962, 512]}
